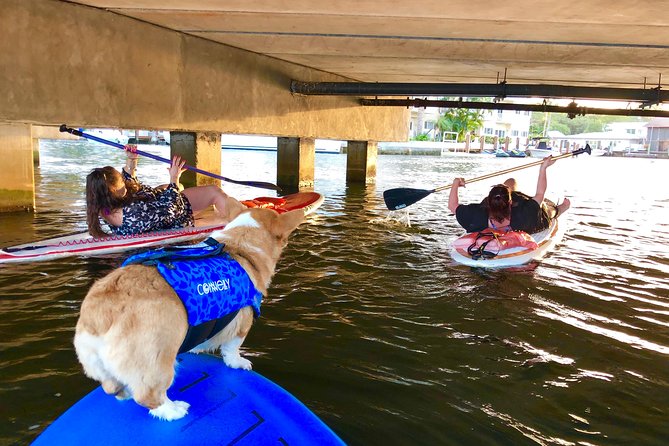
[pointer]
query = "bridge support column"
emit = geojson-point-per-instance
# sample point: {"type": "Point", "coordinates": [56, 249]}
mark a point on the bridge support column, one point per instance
{"type": "Point", "coordinates": [361, 161]}
{"type": "Point", "coordinates": [201, 150]}
{"type": "Point", "coordinates": [17, 182]}
{"type": "Point", "coordinates": [295, 163]}
{"type": "Point", "coordinates": [35, 151]}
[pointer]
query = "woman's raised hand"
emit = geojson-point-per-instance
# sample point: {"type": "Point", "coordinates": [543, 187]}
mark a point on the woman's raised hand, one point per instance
{"type": "Point", "coordinates": [131, 151]}
{"type": "Point", "coordinates": [176, 169]}
{"type": "Point", "coordinates": [548, 161]}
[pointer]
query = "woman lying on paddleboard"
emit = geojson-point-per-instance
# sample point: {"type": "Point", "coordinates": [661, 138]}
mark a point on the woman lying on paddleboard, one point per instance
{"type": "Point", "coordinates": [130, 207]}
{"type": "Point", "coordinates": [506, 209]}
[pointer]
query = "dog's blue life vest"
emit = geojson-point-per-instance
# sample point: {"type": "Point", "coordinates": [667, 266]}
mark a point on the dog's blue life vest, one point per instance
{"type": "Point", "coordinates": [211, 285]}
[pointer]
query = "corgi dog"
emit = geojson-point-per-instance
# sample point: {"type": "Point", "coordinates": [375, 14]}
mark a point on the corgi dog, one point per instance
{"type": "Point", "coordinates": [132, 323]}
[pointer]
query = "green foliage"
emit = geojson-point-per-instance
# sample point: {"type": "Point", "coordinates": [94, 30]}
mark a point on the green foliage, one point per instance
{"type": "Point", "coordinates": [580, 124]}
{"type": "Point", "coordinates": [460, 121]}
{"type": "Point", "coordinates": [560, 127]}
{"type": "Point", "coordinates": [421, 137]}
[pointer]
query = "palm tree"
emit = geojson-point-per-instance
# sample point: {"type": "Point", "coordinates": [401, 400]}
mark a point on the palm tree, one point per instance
{"type": "Point", "coordinates": [461, 121]}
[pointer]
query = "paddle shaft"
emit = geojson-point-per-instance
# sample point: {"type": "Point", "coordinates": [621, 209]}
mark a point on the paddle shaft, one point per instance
{"type": "Point", "coordinates": [509, 170]}
{"type": "Point", "coordinates": [258, 184]}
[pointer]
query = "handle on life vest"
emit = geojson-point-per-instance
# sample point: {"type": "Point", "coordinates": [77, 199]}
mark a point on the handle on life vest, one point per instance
{"type": "Point", "coordinates": [402, 197]}
{"type": "Point", "coordinates": [258, 184]}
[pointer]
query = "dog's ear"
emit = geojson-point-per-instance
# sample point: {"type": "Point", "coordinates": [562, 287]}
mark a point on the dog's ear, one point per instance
{"type": "Point", "coordinates": [288, 222]}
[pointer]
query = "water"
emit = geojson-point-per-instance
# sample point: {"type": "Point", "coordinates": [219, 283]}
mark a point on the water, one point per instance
{"type": "Point", "coordinates": [374, 328]}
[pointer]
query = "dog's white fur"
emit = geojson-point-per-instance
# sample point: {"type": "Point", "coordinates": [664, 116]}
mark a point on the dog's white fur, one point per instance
{"type": "Point", "coordinates": [132, 323]}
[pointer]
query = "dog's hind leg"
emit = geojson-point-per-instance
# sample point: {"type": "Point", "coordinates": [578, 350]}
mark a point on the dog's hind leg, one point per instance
{"type": "Point", "coordinates": [113, 387]}
{"type": "Point", "coordinates": [151, 392]}
{"type": "Point", "coordinates": [167, 409]}
{"type": "Point", "coordinates": [88, 349]}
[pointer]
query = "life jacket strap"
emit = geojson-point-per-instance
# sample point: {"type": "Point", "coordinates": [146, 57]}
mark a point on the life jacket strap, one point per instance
{"type": "Point", "coordinates": [479, 251]}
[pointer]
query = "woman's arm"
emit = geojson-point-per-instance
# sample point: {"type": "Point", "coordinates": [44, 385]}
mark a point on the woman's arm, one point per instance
{"type": "Point", "coordinates": [542, 181]}
{"type": "Point", "coordinates": [453, 200]}
{"type": "Point", "coordinates": [131, 160]}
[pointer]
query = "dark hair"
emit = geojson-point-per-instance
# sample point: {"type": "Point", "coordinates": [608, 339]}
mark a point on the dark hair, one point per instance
{"type": "Point", "coordinates": [499, 200]}
{"type": "Point", "coordinates": [99, 199]}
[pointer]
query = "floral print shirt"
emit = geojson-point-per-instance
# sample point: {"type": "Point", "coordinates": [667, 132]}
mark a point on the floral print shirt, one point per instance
{"type": "Point", "coordinates": [164, 209]}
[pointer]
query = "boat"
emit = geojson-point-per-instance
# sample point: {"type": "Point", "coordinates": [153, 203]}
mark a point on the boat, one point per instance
{"type": "Point", "coordinates": [114, 135]}
{"type": "Point", "coordinates": [511, 153]}
{"type": "Point", "coordinates": [522, 249]}
{"type": "Point", "coordinates": [541, 150]}
{"type": "Point", "coordinates": [269, 143]}
{"type": "Point", "coordinates": [82, 244]}
{"type": "Point", "coordinates": [227, 406]}
{"type": "Point", "coordinates": [600, 152]}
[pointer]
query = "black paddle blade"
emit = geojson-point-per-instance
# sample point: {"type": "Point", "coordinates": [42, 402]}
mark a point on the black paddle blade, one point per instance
{"type": "Point", "coordinates": [403, 196]}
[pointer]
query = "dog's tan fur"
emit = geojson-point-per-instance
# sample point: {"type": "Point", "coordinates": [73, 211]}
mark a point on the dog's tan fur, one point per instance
{"type": "Point", "coordinates": [132, 323]}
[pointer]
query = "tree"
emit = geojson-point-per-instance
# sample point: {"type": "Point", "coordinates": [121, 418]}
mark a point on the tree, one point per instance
{"type": "Point", "coordinates": [460, 121]}
{"type": "Point", "coordinates": [580, 124]}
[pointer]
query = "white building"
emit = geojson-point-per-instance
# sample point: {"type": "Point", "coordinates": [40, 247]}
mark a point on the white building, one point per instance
{"type": "Point", "coordinates": [636, 128]}
{"type": "Point", "coordinates": [616, 137]}
{"type": "Point", "coordinates": [503, 123]}
{"type": "Point", "coordinates": [424, 121]}
{"type": "Point", "coordinates": [500, 123]}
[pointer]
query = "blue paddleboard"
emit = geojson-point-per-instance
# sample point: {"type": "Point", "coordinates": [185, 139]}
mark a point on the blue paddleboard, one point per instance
{"type": "Point", "coordinates": [227, 406]}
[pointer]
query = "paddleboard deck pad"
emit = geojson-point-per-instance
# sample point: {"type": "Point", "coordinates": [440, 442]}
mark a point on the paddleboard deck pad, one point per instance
{"type": "Point", "coordinates": [516, 256]}
{"type": "Point", "coordinates": [227, 406]}
{"type": "Point", "coordinates": [82, 244]}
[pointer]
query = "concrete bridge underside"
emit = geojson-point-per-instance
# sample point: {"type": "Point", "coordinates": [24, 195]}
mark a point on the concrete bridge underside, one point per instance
{"type": "Point", "coordinates": [87, 67]}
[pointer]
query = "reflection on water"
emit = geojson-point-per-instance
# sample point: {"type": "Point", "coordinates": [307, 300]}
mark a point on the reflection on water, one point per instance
{"type": "Point", "coordinates": [371, 324]}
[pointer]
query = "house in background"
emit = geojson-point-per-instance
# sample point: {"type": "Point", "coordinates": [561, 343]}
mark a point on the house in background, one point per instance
{"type": "Point", "coordinates": [423, 121]}
{"type": "Point", "coordinates": [634, 128]}
{"type": "Point", "coordinates": [657, 135]}
{"type": "Point", "coordinates": [500, 123]}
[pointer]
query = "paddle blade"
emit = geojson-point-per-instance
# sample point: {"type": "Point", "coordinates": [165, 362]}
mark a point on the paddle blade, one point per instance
{"type": "Point", "coordinates": [403, 196]}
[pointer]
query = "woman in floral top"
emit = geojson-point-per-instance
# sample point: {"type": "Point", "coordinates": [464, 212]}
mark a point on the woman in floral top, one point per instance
{"type": "Point", "coordinates": [130, 207]}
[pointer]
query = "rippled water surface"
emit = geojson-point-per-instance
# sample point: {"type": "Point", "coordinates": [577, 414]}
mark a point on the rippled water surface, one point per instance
{"type": "Point", "coordinates": [371, 324]}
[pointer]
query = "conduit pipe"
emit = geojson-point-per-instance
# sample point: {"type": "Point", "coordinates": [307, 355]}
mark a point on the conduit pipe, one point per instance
{"type": "Point", "coordinates": [501, 90]}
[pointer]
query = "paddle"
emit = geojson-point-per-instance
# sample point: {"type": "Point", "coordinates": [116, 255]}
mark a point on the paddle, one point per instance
{"type": "Point", "coordinates": [258, 184]}
{"type": "Point", "coordinates": [402, 197]}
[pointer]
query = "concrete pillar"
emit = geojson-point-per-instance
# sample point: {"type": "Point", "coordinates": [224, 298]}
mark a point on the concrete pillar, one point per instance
{"type": "Point", "coordinates": [36, 152]}
{"type": "Point", "coordinates": [361, 162]}
{"type": "Point", "coordinates": [468, 138]}
{"type": "Point", "coordinates": [17, 182]}
{"type": "Point", "coordinates": [201, 150]}
{"type": "Point", "coordinates": [495, 140]}
{"type": "Point", "coordinates": [506, 144]}
{"type": "Point", "coordinates": [295, 163]}
{"type": "Point", "coordinates": [482, 142]}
